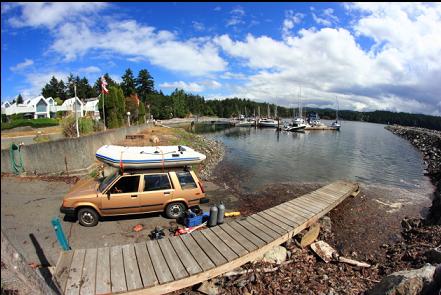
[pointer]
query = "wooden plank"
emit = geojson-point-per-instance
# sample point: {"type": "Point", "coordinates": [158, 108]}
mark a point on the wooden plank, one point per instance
{"type": "Point", "coordinates": [239, 238]}
{"type": "Point", "coordinates": [133, 277]}
{"type": "Point", "coordinates": [333, 194]}
{"type": "Point", "coordinates": [174, 263]}
{"type": "Point", "coordinates": [230, 241]}
{"type": "Point", "coordinates": [74, 279]}
{"type": "Point", "coordinates": [223, 248]}
{"type": "Point", "coordinates": [159, 264]}
{"type": "Point", "coordinates": [275, 221]}
{"type": "Point", "coordinates": [249, 235]}
{"type": "Point", "coordinates": [89, 272]}
{"type": "Point", "coordinates": [145, 265]}
{"type": "Point", "coordinates": [300, 207]}
{"type": "Point", "coordinates": [190, 264]}
{"type": "Point", "coordinates": [273, 234]}
{"type": "Point", "coordinates": [296, 211]}
{"type": "Point", "coordinates": [103, 282]}
{"type": "Point", "coordinates": [269, 224]}
{"type": "Point", "coordinates": [278, 216]}
{"type": "Point", "coordinates": [311, 202]}
{"type": "Point", "coordinates": [117, 276]}
{"type": "Point", "coordinates": [289, 215]}
{"type": "Point", "coordinates": [198, 254]}
{"type": "Point", "coordinates": [208, 248]}
{"type": "Point", "coordinates": [62, 268]}
{"type": "Point", "coordinates": [297, 206]}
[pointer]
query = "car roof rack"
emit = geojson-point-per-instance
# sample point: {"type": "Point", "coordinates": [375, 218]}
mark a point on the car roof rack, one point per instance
{"type": "Point", "coordinates": [157, 170]}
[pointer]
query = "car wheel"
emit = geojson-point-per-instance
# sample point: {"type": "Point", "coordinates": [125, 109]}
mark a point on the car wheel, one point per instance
{"type": "Point", "coordinates": [88, 217]}
{"type": "Point", "coordinates": [175, 210]}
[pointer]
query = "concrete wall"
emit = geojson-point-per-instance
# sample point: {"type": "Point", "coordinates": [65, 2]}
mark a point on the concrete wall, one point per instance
{"type": "Point", "coordinates": [67, 155]}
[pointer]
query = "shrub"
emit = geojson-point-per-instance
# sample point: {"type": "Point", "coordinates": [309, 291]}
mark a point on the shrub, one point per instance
{"type": "Point", "coordinates": [35, 123]}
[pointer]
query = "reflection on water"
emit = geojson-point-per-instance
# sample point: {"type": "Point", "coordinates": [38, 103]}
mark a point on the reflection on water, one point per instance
{"type": "Point", "coordinates": [363, 152]}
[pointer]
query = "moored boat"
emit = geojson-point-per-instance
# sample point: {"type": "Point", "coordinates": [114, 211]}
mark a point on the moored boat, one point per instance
{"type": "Point", "coordinates": [143, 157]}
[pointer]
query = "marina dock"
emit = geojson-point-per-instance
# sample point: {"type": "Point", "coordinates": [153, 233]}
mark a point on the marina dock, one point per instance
{"type": "Point", "coordinates": [169, 264]}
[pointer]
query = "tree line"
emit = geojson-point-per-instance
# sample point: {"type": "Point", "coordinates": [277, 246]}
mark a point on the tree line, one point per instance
{"type": "Point", "coordinates": [137, 95]}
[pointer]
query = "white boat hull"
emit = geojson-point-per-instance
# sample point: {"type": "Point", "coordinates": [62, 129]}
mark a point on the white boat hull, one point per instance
{"type": "Point", "coordinates": [148, 156]}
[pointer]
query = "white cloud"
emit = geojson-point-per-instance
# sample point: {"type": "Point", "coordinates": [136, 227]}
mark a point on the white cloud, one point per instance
{"type": "Point", "coordinates": [291, 19]}
{"type": "Point", "coordinates": [195, 57]}
{"type": "Point", "coordinates": [401, 72]}
{"type": "Point", "coordinates": [89, 70]}
{"type": "Point", "coordinates": [230, 75]}
{"type": "Point", "coordinates": [327, 17]}
{"type": "Point", "coordinates": [192, 87]}
{"type": "Point", "coordinates": [22, 65]}
{"type": "Point", "coordinates": [37, 80]}
{"type": "Point", "coordinates": [217, 8]}
{"type": "Point", "coordinates": [51, 14]}
{"type": "Point", "coordinates": [198, 26]}
{"type": "Point", "coordinates": [236, 17]}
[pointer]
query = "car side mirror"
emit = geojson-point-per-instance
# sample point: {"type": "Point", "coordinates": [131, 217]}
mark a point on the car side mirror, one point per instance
{"type": "Point", "coordinates": [108, 194]}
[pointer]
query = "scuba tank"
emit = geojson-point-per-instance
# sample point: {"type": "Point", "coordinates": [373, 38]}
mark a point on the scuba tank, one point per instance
{"type": "Point", "coordinates": [220, 213]}
{"type": "Point", "coordinates": [212, 220]}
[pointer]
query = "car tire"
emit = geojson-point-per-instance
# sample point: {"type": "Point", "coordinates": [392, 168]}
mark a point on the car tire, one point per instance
{"type": "Point", "coordinates": [175, 210]}
{"type": "Point", "coordinates": [88, 217]}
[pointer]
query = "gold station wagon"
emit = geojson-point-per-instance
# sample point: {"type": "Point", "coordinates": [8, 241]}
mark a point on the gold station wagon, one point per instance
{"type": "Point", "coordinates": [135, 192]}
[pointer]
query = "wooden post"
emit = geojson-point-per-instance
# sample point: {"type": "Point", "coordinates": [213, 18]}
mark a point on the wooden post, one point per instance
{"type": "Point", "coordinates": [15, 263]}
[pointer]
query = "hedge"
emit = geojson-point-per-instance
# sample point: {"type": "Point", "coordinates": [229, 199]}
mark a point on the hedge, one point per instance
{"type": "Point", "coordinates": [35, 123]}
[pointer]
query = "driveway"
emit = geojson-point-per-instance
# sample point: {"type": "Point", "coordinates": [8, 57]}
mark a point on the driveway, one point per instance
{"type": "Point", "coordinates": [29, 204]}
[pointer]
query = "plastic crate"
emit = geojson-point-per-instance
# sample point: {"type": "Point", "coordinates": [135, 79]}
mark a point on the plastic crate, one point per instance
{"type": "Point", "coordinates": [193, 221]}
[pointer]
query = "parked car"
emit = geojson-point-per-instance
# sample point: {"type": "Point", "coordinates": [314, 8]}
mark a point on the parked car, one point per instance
{"type": "Point", "coordinates": [171, 192]}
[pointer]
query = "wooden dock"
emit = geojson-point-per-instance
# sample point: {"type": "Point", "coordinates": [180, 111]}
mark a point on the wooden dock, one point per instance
{"type": "Point", "coordinates": [169, 264]}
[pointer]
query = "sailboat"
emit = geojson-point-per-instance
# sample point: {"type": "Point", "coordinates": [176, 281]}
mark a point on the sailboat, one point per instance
{"type": "Point", "coordinates": [336, 124]}
{"type": "Point", "coordinates": [268, 122]}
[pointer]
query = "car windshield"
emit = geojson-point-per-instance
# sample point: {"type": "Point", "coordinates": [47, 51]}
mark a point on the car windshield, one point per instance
{"type": "Point", "coordinates": [107, 180]}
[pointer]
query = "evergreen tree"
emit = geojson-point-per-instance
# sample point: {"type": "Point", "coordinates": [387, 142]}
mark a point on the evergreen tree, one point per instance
{"type": "Point", "coordinates": [114, 105]}
{"type": "Point", "coordinates": [70, 86]}
{"type": "Point", "coordinates": [51, 88]}
{"type": "Point", "coordinates": [144, 84]}
{"type": "Point", "coordinates": [61, 90]}
{"type": "Point", "coordinates": [20, 99]}
{"type": "Point", "coordinates": [128, 83]}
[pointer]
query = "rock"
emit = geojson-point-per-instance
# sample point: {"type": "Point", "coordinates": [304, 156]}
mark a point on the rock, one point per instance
{"type": "Point", "coordinates": [326, 224]}
{"type": "Point", "coordinates": [154, 139]}
{"type": "Point", "coordinates": [408, 282]}
{"type": "Point", "coordinates": [275, 255]}
{"type": "Point", "coordinates": [434, 255]}
{"type": "Point", "coordinates": [209, 288]}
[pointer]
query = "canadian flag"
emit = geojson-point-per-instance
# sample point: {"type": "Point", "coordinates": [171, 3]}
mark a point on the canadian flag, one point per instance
{"type": "Point", "coordinates": [103, 86]}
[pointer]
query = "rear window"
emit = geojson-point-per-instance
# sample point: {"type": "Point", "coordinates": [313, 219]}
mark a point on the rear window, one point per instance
{"type": "Point", "coordinates": [186, 180]}
{"type": "Point", "coordinates": [156, 182]}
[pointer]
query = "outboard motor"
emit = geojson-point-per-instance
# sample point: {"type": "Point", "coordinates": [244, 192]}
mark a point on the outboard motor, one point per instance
{"type": "Point", "coordinates": [212, 220]}
{"type": "Point", "coordinates": [220, 213]}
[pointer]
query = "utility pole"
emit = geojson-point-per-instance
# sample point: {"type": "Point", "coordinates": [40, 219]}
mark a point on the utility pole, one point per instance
{"type": "Point", "coordinates": [76, 115]}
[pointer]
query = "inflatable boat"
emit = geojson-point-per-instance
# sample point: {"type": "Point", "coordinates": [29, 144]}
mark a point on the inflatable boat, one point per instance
{"type": "Point", "coordinates": [129, 157]}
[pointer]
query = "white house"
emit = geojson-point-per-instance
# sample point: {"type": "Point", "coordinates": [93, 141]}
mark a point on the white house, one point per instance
{"type": "Point", "coordinates": [40, 107]}
{"type": "Point", "coordinates": [91, 108]}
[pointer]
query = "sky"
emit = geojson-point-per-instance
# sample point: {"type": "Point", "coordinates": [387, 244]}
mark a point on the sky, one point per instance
{"type": "Point", "coordinates": [365, 56]}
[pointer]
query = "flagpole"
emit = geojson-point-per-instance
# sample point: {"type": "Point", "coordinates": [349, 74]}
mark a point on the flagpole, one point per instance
{"type": "Point", "coordinates": [104, 113]}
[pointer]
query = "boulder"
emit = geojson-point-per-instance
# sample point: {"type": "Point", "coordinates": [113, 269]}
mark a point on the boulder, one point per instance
{"type": "Point", "coordinates": [275, 255]}
{"type": "Point", "coordinates": [407, 282]}
{"type": "Point", "coordinates": [154, 139]}
{"type": "Point", "coordinates": [209, 288]}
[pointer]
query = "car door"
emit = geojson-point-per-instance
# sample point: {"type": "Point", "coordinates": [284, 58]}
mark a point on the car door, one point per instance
{"type": "Point", "coordinates": [122, 197]}
{"type": "Point", "coordinates": [156, 191]}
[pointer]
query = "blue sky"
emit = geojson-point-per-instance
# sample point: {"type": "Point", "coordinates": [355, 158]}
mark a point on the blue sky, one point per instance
{"type": "Point", "coordinates": [367, 55]}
